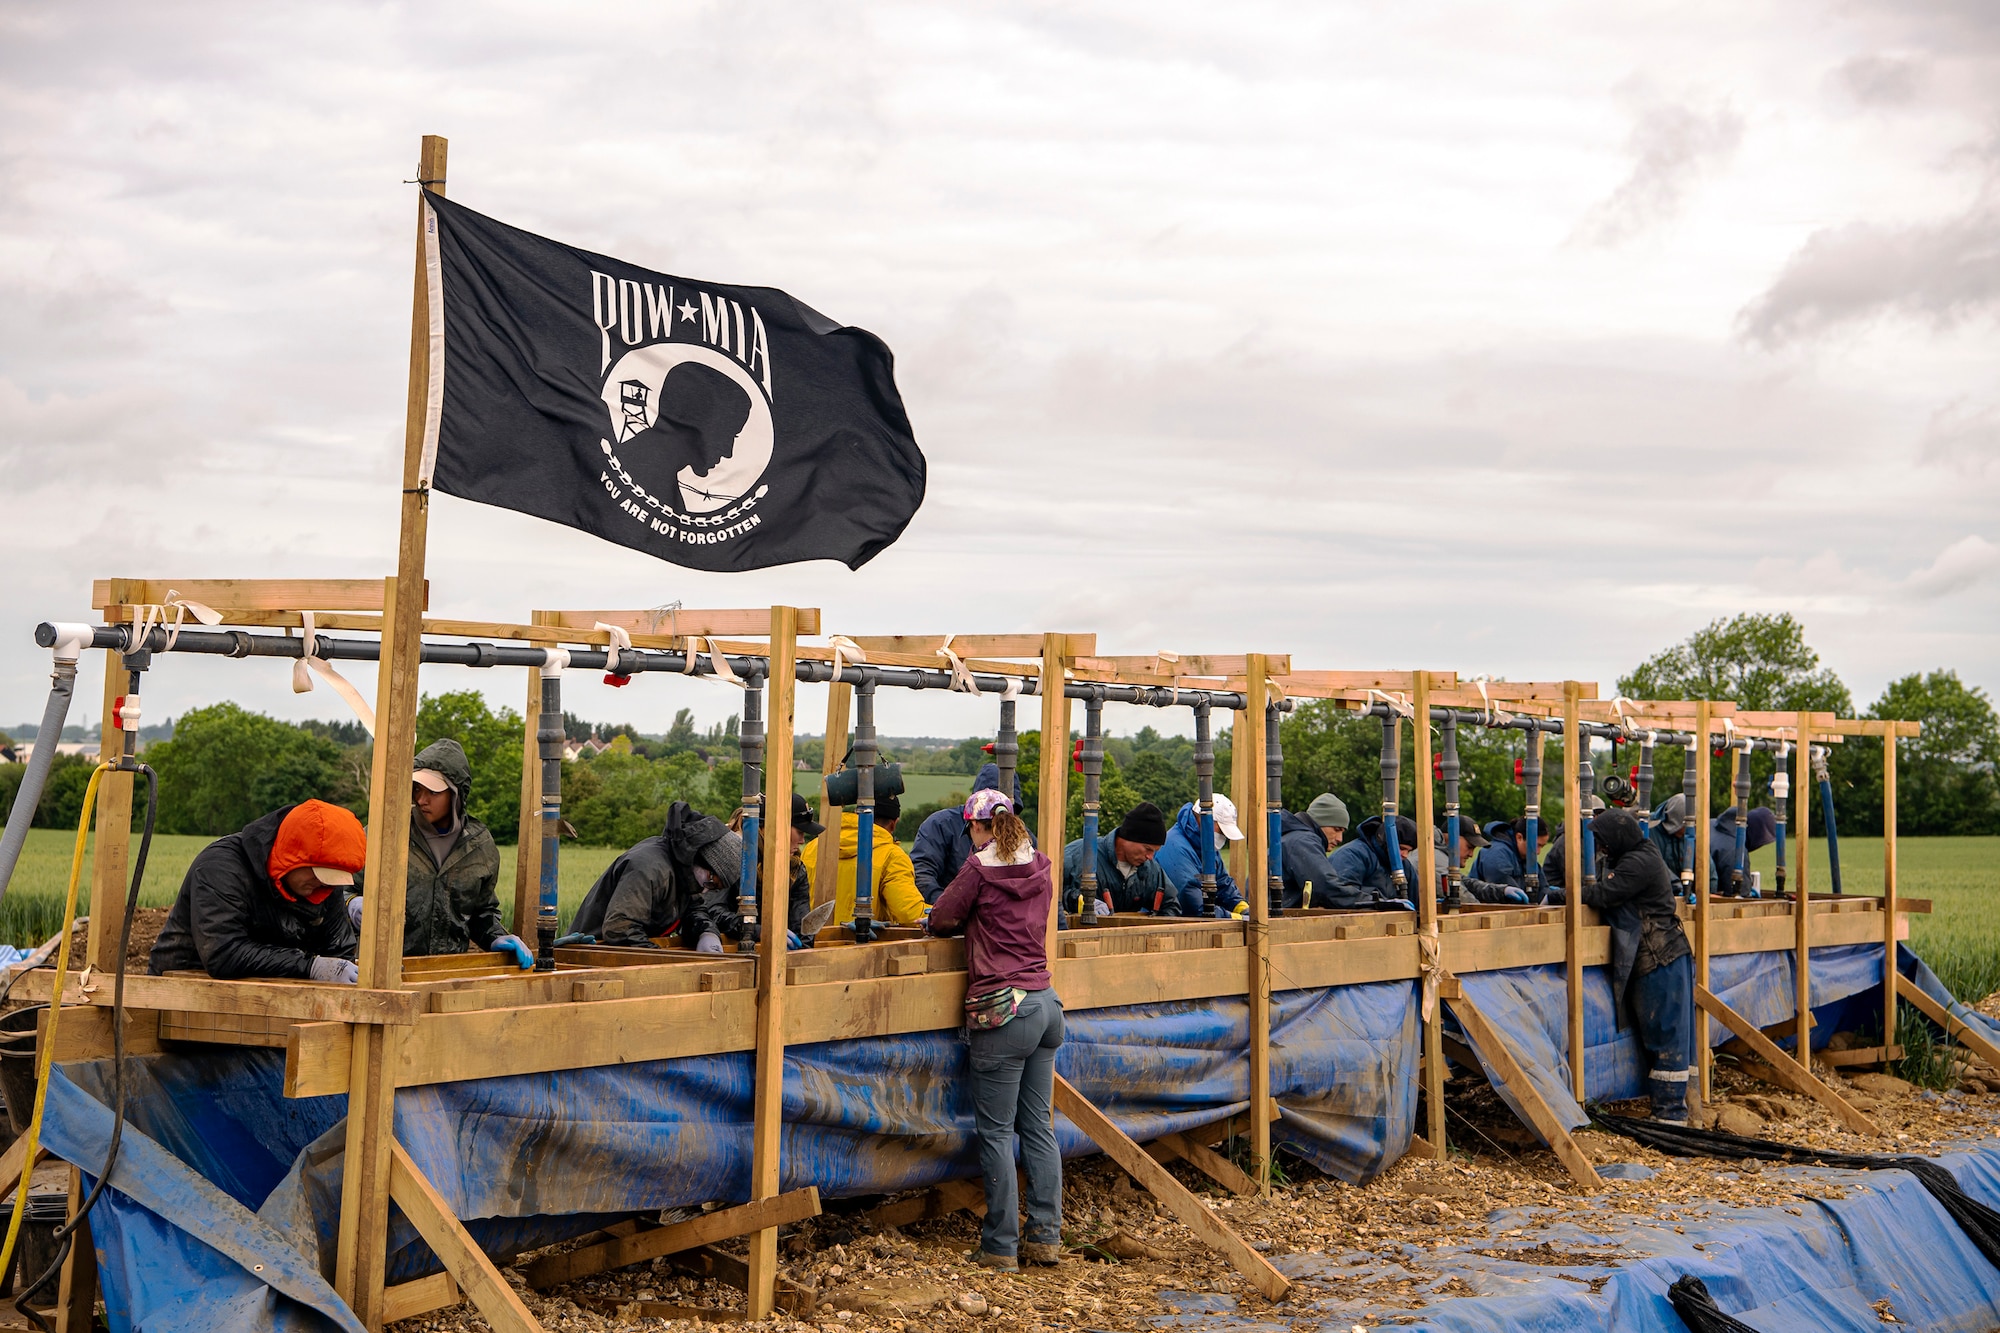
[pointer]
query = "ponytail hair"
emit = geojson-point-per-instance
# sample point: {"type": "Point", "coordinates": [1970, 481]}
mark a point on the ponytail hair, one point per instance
{"type": "Point", "coordinates": [1009, 833]}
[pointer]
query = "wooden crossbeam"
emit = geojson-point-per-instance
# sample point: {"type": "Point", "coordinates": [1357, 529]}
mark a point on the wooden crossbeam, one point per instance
{"type": "Point", "coordinates": [661, 623]}
{"type": "Point", "coordinates": [1954, 1028]}
{"type": "Point", "coordinates": [462, 1258]}
{"type": "Point", "coordinates": [1668, 714]}
{"type": "Point", "coordinates": [723, 1224]}
{"type": "Point", "coordinates": [303, 1001]}
{"type": "Point", "coordinates": [407, 1300]}
{"type": "Point", "coordinates": [794, 1298]}
{"type": "Point", "coordinates": [1171, 1147]}
{"type": "Point", "coordinates": [942, 1201]}
{"type": "Point", "coordinates": [965, 645]}
{"type": "Point", "coordinates": [1500, 1056]}
{"type": "Point", "coordinates": [1192, 1212]}
{"type": "Point", "coordinates": [248, 594]}
{"type": "Point", "coordinates": [1790, 1073]}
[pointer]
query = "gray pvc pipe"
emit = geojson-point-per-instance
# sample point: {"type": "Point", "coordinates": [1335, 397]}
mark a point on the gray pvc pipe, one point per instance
{"type": "Point", "coordinates": [54, 714]}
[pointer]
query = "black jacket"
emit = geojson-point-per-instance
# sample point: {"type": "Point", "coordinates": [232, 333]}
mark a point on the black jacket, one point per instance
{"type": "Point", "coordinates": [452, 905]}
{"type": "Point", "coordinates": [230, 919]}
{"type": "Point", "coordinates": [652, 889]}
{"type": "Point", "coordinates": [1636, 895]}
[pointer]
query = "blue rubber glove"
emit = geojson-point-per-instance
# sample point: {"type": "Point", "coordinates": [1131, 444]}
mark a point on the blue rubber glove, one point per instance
{"type": "Point", "coordinates": [1515, 895]}
{"type": "Point", "coordinates": [354, 912]}
{"type": "Point", "coordinates": [574, 937]}
{"type": "Point", "coordinates": [1399, 904]}
{"type": "Point", "coordinates": [515, 945]}
{"type": "Point", "coordinates": [792, 940]}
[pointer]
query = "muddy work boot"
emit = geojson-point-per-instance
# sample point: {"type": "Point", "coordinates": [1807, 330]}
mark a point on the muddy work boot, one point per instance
{"type": "Point", "coordinates": [1000, 1263]}
{"type": "Point", "coordinates": [1048, 1255]}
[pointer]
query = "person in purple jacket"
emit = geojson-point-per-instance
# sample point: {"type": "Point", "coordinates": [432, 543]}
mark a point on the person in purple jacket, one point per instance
{"type": "Point", "coordinates": [1000, 899]}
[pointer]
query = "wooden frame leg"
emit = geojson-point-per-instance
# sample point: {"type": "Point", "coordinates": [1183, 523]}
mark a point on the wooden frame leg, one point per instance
{"type": "Point", "coordinates": [1540, 1118]}
{"type": "Point", "coordinates": [463, 1259]}
{"type": "Point", "coordinates": [76, 1298]}
{"type": "Point", "coordinates": [1192, 1213]}
{"type": "Point", "coordinates": [1953, 1028]}
{"type": "Point", "coordinates": [1790, 1072]}
{"type": "Point", "coordinates": [1206, 1160]}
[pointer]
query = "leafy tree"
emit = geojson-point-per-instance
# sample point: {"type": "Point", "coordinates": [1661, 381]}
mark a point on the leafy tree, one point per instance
{"type": "Point", "coordinates": [681, 735]}
{"type": "Point", "coordinates": [1115, 798]}
{"type": "Point", "coordinates": [618, 798]}
{"type": "Point", "coordinates": [493, 744]}
{"type": "Point", "coordinates": [1156, 778]}
{"type": "Point", "coordinates": [1945, 778]}
{"type": "Point", "coordinates": [62, 795]}
{"type": "Point", "coordinates": [226, 766]}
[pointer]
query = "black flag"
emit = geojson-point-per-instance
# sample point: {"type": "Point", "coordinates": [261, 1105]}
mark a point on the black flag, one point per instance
{"type": "Point", "coordinates": [719, 427]}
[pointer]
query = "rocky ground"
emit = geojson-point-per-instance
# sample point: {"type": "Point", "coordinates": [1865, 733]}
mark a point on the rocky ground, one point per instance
{"type": "Point", "coordinates": [1124, 1251]}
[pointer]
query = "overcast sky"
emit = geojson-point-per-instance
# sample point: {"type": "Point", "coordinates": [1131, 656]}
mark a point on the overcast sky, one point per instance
{"type": "Point", "coordinates": [1516, 339]}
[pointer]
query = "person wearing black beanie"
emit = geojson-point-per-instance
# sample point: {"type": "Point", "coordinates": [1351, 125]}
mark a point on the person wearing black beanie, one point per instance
{"type": "Point", "coordinates": [1127, 878]}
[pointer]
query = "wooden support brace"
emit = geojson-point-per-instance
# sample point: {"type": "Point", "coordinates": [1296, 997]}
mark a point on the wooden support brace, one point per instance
{"type": "Point", "coordinates": [1540, 1118]}
{"type": "Point", "coordinates": [1956, 1029]}
{"type": "Point", "coordinates": [462, 1258]}
{"type": "Point", "coordinates": [723, 1224]}
{"type": "Point", "coordinates": [1790, 1072]}
{"type": "Point", "coordinates": [1192, 1213]}
{"type": "Point", "coordinates": [951, 1197]}
{"type": "Point", "coordinates": [407, 1300]}
{"type": "Point", "coordinates": [1210, 1163]}
{"type": "Point", "coordinates": [76, 1294]}
{"type": "Point", "coordinates": [793, 1298]}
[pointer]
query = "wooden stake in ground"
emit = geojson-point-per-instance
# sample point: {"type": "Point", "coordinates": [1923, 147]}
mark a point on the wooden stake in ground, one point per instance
{"type": "Point", "coordinates": [1573, 817]}
{"type": "Point", "coordinates": [1791, 1073]}
{"type": "Point", "coordinates": [1252, 752]}
{"type": "Point", "coordinates": [1192, 1213]}
{"type": "Point", "coordinates": [364, 1197]}
{"type": "Point", "coordinates": [1425, 892]}
{"type": "Point", "coordinates": [768, 1134]}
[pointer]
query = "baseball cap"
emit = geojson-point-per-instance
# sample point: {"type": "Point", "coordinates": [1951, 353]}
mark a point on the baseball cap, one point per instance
{"type": "Point", "coordinates": [1225, 819]}
{"type": "Point", "coordinates": [802, 817]}
{"type": "Point", "coordinates": [431, 780]}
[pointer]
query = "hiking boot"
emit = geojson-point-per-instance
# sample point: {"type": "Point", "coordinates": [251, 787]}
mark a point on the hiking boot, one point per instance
{"type": "Point", "coordinates": [1000, 1263]}
{"type": "Point", "coordinates": [1047, 1254]}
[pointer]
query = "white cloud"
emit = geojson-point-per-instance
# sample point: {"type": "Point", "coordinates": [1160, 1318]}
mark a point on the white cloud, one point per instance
{"type": "Point", "coordinates": [1673, 145]}
{"type": "Point", "coordinates": [1961, 565]}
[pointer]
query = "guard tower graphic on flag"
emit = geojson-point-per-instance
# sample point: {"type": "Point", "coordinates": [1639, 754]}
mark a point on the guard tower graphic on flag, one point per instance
{"type": "Point", "coordinates": [632, 395]}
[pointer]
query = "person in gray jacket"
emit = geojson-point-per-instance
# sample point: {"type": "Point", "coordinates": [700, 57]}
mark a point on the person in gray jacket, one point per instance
{"type": "Point", "coordinates": [451, 899]}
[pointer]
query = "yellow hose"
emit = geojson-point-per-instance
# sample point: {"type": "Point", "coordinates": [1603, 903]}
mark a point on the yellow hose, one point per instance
{"type": "Point", "coordinates": [48, 1042]}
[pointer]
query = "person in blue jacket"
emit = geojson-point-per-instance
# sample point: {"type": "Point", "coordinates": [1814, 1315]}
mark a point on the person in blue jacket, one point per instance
{"type": "Point", "coordinates": [943, 842]}
{"type": "Point", "coordinates": [1504, 858]}
{"type": "Point", "coordinates": [1667, 830]}
{"type": "Point", "coordinates": [1179, 859]}
{"type": "Point", "coordinates": [1128, 877]}
{"type": "Point", "coordinates": [1353, 875]}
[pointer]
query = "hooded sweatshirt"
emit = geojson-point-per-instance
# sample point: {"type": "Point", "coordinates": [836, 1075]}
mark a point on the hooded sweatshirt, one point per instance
{"type": "Point", "coordinates": [1130, 889]}
{"type": "Point", "coordinates": [1636, 895]}
{"type": "Point", "coordinates": [892, 888]}
{"type": "Point", "coordinates": [1360, 867]}
{"type": "Point", "coordinates": [943, 841]}
{"type": "Point", "coordinates": [453, 874]}
{"type": "Point", "coordinates": [230, 918]}
{"type": "Point", "coordinates": [1179, 859]}
{"type": "Point", "coordinates": [1003, 909]}
{"type": "Point", "coordinates": [653, 890]}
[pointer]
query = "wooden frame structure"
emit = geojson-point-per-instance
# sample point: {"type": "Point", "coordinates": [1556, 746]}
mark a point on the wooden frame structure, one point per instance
{"type": "Point", "coordinates": [413, 1022]}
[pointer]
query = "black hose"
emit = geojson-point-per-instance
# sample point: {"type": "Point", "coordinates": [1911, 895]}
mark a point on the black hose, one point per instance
{"type": "Point", "coordinates": [66, 1233]}
{"type": "Point", "coordinates": [1980, 1223]}
{"type": "Point", "coordinates": [1698, 1310]}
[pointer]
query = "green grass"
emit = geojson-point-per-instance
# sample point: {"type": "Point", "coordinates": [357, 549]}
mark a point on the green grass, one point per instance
{"type": "Point", "coordinates": [1960, 939]}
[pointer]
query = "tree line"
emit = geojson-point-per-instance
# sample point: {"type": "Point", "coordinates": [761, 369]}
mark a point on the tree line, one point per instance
{"type": "Point", "coordinates": [225, 765]}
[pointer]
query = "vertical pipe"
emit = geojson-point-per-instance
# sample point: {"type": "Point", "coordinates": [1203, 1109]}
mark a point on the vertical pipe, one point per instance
{"type": "Point", "coordinates": [1645, 784]}
{"type": "Point", "coordinates": [1392, 746]}
{"type": "Point", "coordinates": [1694, 800]}
{"type": "Point", "coordinates": [1531, 783]}
{"type": "Point", "coordinates": [1007, 749]}
{"type": "Point", "coordinates": [55, 712]}
{"type": "Point", "coordinates": [549, 739]}
{"type": "Point", "coordinates": [1093, 770]}
{"type": "Point", "coordinates": [1781, 790]}
{"type": "Point", "coordinates": [865, 751]}
{"type": "Point", "coordinates": [1274, 811]}
{"type": "Point", "coordinates": [751, 739]}
{"type": "Point", "coordinates": [1825, 780]}
{"type": "Point", "coordinates": [1204, 776]}
{"type": "Point", "coordinates": [1586, 787]}
{"type": "Point", "coordinates": [1448, 769]}
{"type": "Point", "coordinates": [1739, 873]}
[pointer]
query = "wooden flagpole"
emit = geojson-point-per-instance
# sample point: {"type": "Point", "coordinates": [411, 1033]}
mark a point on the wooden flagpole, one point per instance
{"type": "Point", "coordinates": [364, 1198]}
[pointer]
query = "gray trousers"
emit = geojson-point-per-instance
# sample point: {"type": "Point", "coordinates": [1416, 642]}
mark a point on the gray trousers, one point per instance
{"type": "Point", "coordinates": [1013, 1089]}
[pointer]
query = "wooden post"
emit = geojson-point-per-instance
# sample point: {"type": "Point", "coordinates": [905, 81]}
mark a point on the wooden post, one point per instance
{"type": "Point", "coordinates": [781, 697]}
{"type": "Point", "coordinates": [1252, 819]}
{"type": "Point", "coordinates": [111, 863]}
{"type": "Point", "coordinates": [76, 1292]}
{"type": "Point", "coordinates": [1889, 1016]}
{"type": "Point", "coordinates": [1704, 1054]}
{"type": "Point", "coordinates": [1573, 816]}
{"type": "Point", "coordinates": [528, 851]}
{"type": "Point", "coordinates": [1052, 812]}
{"type": "Point", "coordinates": [1246, 783]}
{"type": "Point", "coordinates": [1802, 891]}
{"type": "Point", "coordinates": [826, 860]}
{"type": "Point", "coordinates": [1426, 895]}
{"type": "Point", "coordinates": [364, 1195]}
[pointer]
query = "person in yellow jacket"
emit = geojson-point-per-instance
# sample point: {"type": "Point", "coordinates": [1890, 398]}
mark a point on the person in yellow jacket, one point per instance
{"type": "Point", "coordinates": [894, 897]}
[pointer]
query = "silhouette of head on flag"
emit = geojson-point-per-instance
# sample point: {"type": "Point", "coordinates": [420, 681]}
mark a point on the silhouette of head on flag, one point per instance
{"type": "Point", "coordinates": [701, 413]}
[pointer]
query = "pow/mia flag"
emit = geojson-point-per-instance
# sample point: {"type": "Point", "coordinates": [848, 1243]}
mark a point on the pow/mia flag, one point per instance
{"type": "Point", "coordinates": [723, 428]}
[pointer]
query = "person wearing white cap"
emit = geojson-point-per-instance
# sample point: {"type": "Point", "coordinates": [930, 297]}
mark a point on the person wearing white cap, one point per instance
{"type": "Point", "coordinates": [453, 874]}
{"type": "Point", "coordinates": [1179, 859]}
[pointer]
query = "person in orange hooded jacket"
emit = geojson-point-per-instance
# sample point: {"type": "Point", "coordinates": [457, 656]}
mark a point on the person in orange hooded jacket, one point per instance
{"type": "Point", "coordinates": [270, 901]}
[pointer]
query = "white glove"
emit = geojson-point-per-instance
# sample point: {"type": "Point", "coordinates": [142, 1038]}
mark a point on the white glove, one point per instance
{"type": "Point", "coordinates": [337, 971]}
{"type": "Point", "coordinates": [354, 911]}
{"type": "Point", "coordinates": [710, 942]}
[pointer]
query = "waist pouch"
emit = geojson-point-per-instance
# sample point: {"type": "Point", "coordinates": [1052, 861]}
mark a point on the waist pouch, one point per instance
{"type": "Point", "coordinates": [995, 1009]}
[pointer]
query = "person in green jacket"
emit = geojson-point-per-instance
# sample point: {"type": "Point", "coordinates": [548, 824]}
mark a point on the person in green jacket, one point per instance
{"type": "Point", "coordinates": [454, 868]}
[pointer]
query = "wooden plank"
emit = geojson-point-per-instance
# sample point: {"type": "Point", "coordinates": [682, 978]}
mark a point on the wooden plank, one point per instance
{"type": "Point", "coordinates": [826, 860]}
{"type": "Point", "coordinates": [76, 1290]}
{"type": "Point", "coordinates": [1573, 741]}
{"type": "Point", "coordinates": [1493, 1046]}
{"type": "Point", "coordinates": [966, 645]}
{"type": "Point", "coordinates": [528, 839]}
{"type": "Point", "coordinates": [661, 623]}
{"type": "Point", "coordinates": [794, 1299]}
{"type": "Point", "coordinates": [1212, 1164]}
{"type": "Point", "coordinates": [767, 1137]}
{"type": "Point", "coordinates": [1802, 914]}
{"type": "Point", "coordinates": [407, 1300]}
{"type": "Point", "coordinates": [1052, 796]}
{"type": "Point", "coordinates": [296, 1000]}
{"type": "Point", "coordinates": [1890, 905]}
{"type": "Point", "coordinates": [1426, 893]}
{"type": "Point", "coordinates": [1860, 1055]}
{"type": "Point", "coordinates": [85, 1034]}
{"type": "Point", "coordinates": [1790, 1072]}
{"type": "Point", "coordinates": [111, 854]}
{"type": "Point", "coordinates": [260, 594]}
{"type": "Point", "coordinates": [462, 1258]}
{"type": "Point", "coordinates": [1704, 920]}
{"type": "Point", "coordinates": [1191, 1212]}
{"type": "Point", "coordinates": [1252, 746]}
{"type": "Point", "coordinates": [1973, 1039]}
{"type": "Point", "coordinates": [950, 1197]}
{"type": "Point", "coordinates": [724, 1224]}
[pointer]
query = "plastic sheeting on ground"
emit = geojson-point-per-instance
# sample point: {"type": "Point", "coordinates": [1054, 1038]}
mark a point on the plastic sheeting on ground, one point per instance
{"type": "Point", "coordinates": [1822, 1269]}
{"type": "Point", "coordinates": [221, 1173]}
{"type": "Point", "coordinates": [1530, 1006]}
